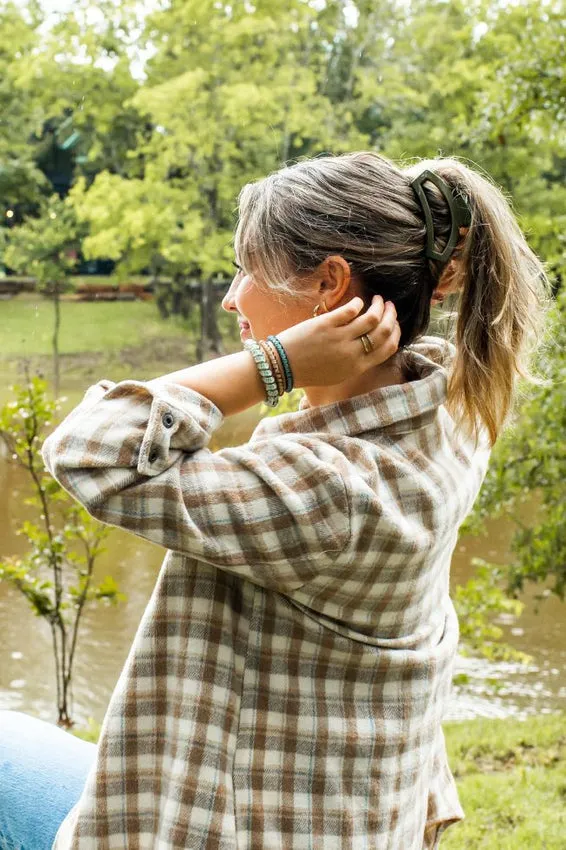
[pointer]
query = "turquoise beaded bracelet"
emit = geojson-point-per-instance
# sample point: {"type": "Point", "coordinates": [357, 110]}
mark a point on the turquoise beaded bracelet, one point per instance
{"type": "Point", "coordinates": [264, 368]}
{"type": "Point", "coordinates": [285, 361]}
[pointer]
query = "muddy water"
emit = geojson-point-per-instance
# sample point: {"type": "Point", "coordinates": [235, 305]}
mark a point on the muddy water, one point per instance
{"type": "Point", "coordinates": [26, 666]}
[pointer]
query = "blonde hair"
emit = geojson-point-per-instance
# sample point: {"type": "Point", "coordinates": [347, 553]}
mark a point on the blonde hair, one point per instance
{"type": "Point", "coordinates": [361, 205]}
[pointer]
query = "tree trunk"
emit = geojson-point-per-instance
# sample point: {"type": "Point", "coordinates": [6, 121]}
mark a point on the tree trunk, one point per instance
{"type": "Point", "coordinates": [210, 342]}
{"type": "Point", "coordinates": [55, 344]}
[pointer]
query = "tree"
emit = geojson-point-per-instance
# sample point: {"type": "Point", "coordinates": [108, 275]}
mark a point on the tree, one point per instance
{"type": "Point", "coordinates": [56, 580]}
{"type": "Point", "coordinates": [218, 78]}
{"type": "Point", "coordinates": [483, 81]}
{"type": "Point", "coordinates": [46, 248]}
{"type": "Point", "coordinates": [529, 459]}
{"type": "Point", "coordinates": [21, 181]}
{"type": "Point", "coordinates": [78, 80]}
{"type": "Point", "coordinates": [64, 83]}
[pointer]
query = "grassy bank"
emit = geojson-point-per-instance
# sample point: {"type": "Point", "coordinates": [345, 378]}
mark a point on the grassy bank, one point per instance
{"type": "Point", "coordinates": [98, 340]}
{"type": "Point", "coordinates": [511, 778]}
{"type": "Point", "coordinates": [27, 326]}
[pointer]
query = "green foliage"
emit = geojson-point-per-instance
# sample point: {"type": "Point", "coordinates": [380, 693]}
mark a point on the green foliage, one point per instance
{"type": "Point", "coordinates": [289, 403]}
{"type": "Point", "coordinates": [21, 180]}
{"type": "Point", "coordinates": [231, 93]}
{"type": "Point", "coordinates": [483, 81]}
{"type": "Point", "coordinates": [530, 458]}
{"type": "Point", "coordinates": [209, 107]}
{"type": "Point", "coordinates": [55, 578]}
{"type": "Point", "coordinates": [45, 247]}
{"type": "Point", "coordinates": [44, 88]}
{"type": "Point", "coordinates": [138, 223]}
{"type": "Point", "coordinates": [476, 602]}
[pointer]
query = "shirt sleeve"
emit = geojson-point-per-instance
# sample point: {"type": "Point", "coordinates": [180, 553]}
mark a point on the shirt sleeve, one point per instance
{"type": "Point", "coordinates": [274, 511]}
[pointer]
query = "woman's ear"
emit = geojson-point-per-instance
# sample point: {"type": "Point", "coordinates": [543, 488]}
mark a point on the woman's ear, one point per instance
{"type": "Point", "coordinates": [336, 280]}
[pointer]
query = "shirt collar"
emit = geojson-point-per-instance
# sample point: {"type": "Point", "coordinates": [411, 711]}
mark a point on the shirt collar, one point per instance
{"type": "Point", "coordinates": [428, 359]}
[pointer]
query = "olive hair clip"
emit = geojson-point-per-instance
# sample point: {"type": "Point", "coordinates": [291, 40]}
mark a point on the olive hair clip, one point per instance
{"type": "Point", "coordinates": [460, 212]}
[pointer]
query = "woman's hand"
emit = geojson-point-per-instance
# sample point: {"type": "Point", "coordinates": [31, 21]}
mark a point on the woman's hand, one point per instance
{"type": "Point", "coordinates": [327, 349]}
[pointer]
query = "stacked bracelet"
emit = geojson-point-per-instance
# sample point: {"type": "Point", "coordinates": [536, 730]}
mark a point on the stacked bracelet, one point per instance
{"type": "Point", "coordinates": [285, 361]}
{"type": "Point", "coordinates": [273, 357]}
{"type": "Point", "coordinates": [255, 349]}
{"type": "Point", "coordinates": [267, 355]}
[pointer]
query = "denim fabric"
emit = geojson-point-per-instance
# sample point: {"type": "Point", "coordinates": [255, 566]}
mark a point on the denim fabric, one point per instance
{"type": "Point", "coordinates": [42, 773]}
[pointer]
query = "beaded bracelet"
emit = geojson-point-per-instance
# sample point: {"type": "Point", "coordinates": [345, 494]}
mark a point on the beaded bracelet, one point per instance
{"type": "Point", "coordinates": [279, 373]}
{"type": "Point", "coordinates": [269, 358]}
{"type": "Point", "coordinates": [277, 370]}
{"type": "Point", "coordinates": [272, 396]}
{"type": "Point", "coordinates": [285, 361]}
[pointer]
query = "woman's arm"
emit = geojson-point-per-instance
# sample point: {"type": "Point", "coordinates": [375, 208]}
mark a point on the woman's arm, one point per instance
{"type": "Point", "coordinates": [323, 351]}
{"type": "Point", "coordinates": [232, 383]}
{"type": "Point", "coordinates": [274, 511]}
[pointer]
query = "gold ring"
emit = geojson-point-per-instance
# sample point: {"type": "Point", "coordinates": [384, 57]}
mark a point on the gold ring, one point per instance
{"type": "Point", "coordinates": [367, 343]}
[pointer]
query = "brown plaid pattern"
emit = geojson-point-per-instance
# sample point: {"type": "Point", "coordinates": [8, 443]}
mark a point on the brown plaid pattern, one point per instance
{"type": "Point", "coordinates": [287, 683]}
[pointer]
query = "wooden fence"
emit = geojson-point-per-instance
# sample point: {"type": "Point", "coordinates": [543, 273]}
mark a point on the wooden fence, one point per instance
{"type": "Point", "coordinates": [85, 291]}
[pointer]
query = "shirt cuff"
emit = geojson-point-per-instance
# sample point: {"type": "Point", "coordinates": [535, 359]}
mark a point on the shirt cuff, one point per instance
{"type": "Point", "coordinates": [137, 424]}
{"type": "Point", "coordinates": [180, 419]}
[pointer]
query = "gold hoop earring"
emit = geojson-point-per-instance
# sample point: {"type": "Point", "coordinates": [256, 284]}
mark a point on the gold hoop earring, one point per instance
{"type": "Point", "coordinates": [317, 308]}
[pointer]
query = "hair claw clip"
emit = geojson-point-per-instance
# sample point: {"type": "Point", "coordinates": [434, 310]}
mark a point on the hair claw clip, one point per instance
{"type": "Point", "coordinates": [460, 212]}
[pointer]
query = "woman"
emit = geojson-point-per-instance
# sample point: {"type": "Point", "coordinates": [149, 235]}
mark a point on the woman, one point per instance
{"type": "Point", "coordinates": [287, 683]}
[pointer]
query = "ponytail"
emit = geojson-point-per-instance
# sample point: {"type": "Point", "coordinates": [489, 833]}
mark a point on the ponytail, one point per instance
{"type": "Point", "coordinates": [505, 295]}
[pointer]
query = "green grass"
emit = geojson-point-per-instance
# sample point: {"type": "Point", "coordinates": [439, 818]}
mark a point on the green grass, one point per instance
{"type": "Point", "coordinates": [511, 778]}
{"type": "Point", "coordinates": [27, 326]}
{"type": "Point", "coordinates": [116, 340]}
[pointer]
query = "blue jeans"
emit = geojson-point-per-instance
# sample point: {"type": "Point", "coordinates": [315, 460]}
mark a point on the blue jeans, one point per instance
{"type": "Point", "coordinates": [43, 770]}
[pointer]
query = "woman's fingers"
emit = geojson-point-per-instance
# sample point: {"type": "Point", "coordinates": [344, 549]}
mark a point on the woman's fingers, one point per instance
{"type": "Point", "coordinates": [376, 308]}
{"type": "Point", "coordinates": [345, 314]}
{"type": "Point", "coordinates": [379, 321]}
{"type": "Point", "coordinates": [385, 335]}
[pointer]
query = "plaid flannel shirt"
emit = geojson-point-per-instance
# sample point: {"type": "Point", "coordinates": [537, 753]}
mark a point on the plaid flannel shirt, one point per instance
{"type": "Point", "coordinates": [288, 679]}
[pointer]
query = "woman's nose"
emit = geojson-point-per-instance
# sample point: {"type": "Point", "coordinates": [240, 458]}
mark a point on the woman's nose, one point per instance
{"type": "Point", "coordinates": [228, 302]}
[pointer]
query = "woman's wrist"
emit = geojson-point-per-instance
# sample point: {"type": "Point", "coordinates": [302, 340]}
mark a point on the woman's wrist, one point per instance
{"type": "Point", "coordinates": [231, 382]}
{"type": "Point", "coordinates": [234, 382]}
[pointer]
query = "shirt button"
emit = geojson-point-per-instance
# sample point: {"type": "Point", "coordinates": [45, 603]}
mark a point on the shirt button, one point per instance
{"type": "Point", "coordinates": [153, 456]}
{"type": "Point", "coordinates": [167, 420]}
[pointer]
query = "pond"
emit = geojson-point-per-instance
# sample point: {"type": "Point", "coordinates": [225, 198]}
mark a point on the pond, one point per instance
{"type": "Point", "coordinates": [26, 665]}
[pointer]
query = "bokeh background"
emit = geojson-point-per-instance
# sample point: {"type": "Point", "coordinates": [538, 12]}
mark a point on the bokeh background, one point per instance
{"type": "Point", "coordinates": [128, 129]}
